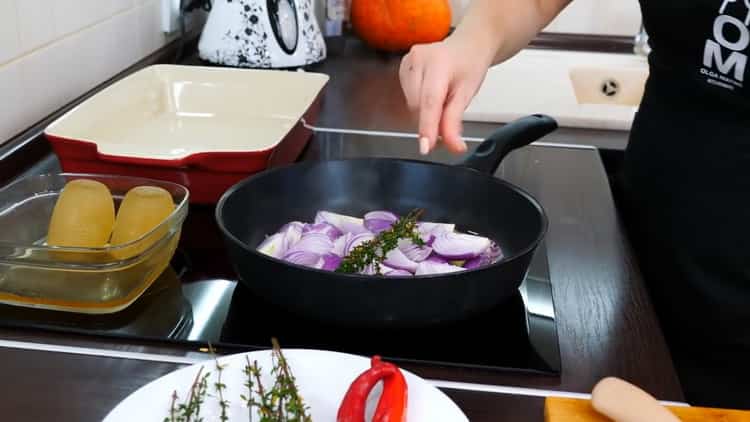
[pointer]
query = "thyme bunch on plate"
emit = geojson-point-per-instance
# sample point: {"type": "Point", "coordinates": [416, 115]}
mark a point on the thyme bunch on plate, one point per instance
{"type": "Point", "coordinates": [279, 403]}
{"type": "Point", "coordinates": [373, 252]}
{"type": "Point", "coordinates": [189, 411]}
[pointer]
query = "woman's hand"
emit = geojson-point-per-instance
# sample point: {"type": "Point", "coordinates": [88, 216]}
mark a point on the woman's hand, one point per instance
{"type": "Point", "coordinates": [439, 80]}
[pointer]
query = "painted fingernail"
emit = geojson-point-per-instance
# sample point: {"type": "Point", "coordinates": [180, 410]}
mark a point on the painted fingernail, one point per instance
{"type": "Point", "coordinates": [424, 145]}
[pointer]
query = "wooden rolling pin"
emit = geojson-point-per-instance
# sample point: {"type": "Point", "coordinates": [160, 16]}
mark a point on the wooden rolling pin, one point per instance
{"type": "Point", "coordinates": [616, 400]}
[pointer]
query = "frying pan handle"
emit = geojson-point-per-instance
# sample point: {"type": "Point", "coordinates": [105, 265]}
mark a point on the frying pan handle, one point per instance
{"type": "Point", "coordinates": [516, 134]}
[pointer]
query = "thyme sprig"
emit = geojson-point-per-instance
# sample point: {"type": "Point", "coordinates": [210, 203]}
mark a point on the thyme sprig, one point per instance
{"type": "Point", "coordinates": [220, 387]}
{"type": "Point", "coordinates": [279, 403]}
{"type": "Point", "coordinates": [282, 402]}
{"type": "Point", "coordinates": [373, 252]}
{"type": "Point", "coordinates": [190, 410]}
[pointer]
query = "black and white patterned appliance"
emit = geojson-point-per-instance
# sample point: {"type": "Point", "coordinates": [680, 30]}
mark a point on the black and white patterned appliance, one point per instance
{"type": "Point", "coordinates": [262, 34]}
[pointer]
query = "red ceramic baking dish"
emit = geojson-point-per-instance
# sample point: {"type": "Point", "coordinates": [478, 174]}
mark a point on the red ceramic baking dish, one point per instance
{"type": "Point", "coordinates": [203, 127]}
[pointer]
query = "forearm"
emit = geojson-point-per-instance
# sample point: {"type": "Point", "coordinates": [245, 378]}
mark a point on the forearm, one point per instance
{"type": "Point", "coordinates": [498, 29]}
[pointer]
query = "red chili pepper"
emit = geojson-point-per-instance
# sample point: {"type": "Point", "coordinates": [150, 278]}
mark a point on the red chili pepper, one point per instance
{"type": "Point", "coordinates": [353, 405]}
{"type": "Point", "coordinates": [392, 404]}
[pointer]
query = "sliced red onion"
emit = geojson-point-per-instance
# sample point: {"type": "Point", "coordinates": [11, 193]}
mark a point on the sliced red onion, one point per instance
{"type": "Point", "coordinates": [306, 258]}
{"type": "Point", "coordinates": [327, 229]}
{"type": "Point", "coordinates": [377, 226]}
{"type": "Point", "coordinates": [396, 259]}
{"type": "Point", "coordinates": [369, 270]}
{"type": "Point", "coordinates": [428, 267]}
{"type": "Point", "coordinates": [345, 223]}
{"type": "Point", "coordinates": [331, 262]}
{"type": "Point", "coordinates": [273, 246]}
{"type": "Point", "coordinates": [292, 233]}
{"type": "Point", "coordinates": [398, 273]}
{"type": "Point", "coordinates": [488, 257]}
{"type": "Point", "coordinates": [378, 221]}
{"type": "Point", "coordinates": [459, 245]}
{"type": "Point", "coordinates": [357, 240]}
{"type": "Point", "coordinates": [381, 215]}
{"type": "Point", "coordinates": [339, 245]}
{"type": "Point", "coordinates": [384, 270]}
{"type": "Point", "coordinates": [427, 228]}
{"type": "Point", "coordinates": [318, 243]}
{"type": "Point", "coordinates": [436, 259]}
{"type": "Point", "coordinates": [414, 252]}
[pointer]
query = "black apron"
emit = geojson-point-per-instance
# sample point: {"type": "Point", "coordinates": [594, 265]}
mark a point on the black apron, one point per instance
{"type": "Point", "coordinates": [686, 185]}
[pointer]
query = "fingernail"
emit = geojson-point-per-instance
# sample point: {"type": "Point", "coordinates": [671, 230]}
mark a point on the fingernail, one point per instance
{"type": "Point", "coordinates": [424, 145]}
{"type": "Point", "coordinates": [463, 147]}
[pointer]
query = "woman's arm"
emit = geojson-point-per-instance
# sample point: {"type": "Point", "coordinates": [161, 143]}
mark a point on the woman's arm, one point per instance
{"type": "Point", "coordinates": [440, 79]}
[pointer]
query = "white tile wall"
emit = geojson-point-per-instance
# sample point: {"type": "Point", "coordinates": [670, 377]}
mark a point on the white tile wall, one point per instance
{"type": "Point", "coordinates": [600, 17]}
{"type": "Point", "coordinates": [52, 51]}
{"type": "Point", "coordinates": [36, 23]}
{"type": "Point", "coordinates": [14, 109]}
{"type": "Point", "coordinates": [9, 43]}
{"type": "Point", "coordinates": [150, 37]}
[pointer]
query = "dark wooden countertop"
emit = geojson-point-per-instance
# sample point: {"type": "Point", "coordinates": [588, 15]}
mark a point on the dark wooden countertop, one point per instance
{"type": "Point", "coordinates": [607, 326]}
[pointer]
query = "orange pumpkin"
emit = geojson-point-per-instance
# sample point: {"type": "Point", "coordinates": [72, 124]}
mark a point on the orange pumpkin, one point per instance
{"type": "Point", "coordinates": [396, 25]}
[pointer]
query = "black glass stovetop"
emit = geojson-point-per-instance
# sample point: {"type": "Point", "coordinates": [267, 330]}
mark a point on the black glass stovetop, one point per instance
{"type": "Point", "coordinates": [198, 301]}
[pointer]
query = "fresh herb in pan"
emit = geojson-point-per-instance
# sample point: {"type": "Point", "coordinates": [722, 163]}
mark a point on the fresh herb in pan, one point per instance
{"type": "Point", "coordinates": [373, 252]}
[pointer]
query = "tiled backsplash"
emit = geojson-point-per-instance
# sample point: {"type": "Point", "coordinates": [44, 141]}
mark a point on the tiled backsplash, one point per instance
{"type": "Point", "coordinates": [600, 17]}
{"type": "Point", "coordinates": [52, 51]}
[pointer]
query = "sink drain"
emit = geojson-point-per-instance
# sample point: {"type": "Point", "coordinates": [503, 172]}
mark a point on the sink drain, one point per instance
{"type": "Point", "coordinates": [610, 87]}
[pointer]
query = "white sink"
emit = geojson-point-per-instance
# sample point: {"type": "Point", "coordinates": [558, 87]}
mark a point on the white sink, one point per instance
{"type": "Point", "coordinates": [589, 90]}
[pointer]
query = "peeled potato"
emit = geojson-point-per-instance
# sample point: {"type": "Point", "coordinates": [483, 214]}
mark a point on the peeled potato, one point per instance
{"type": "Point", "coordinates": [142, 210]}
{"type": "Point", "coordinates": [83, 216]}
{"type": "Point", "coordinates": [624, 402]}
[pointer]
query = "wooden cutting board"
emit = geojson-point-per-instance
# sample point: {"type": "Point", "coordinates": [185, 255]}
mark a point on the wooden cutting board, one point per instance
{"type": "Point", "coordinates": [557, 409]}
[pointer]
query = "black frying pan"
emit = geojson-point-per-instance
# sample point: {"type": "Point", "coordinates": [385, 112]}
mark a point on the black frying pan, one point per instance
{"type": "Point", "coordinates": [467, 195]}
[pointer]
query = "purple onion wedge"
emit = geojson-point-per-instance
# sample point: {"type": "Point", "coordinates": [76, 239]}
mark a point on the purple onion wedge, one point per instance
{"type": "Point", "coordinates": [426, 228]}
{"type": "Point", "coordinates": [432, 268]}
{"type": "Point", "coordinates": [398, 273]}
{"type": "Point", "coordinates": [339, 245]}
{"type": "Point", "coordinates": [436, 259]}
{"type": "Point", "coordinates": [305, 258]}
{"type": "Point", "coordinates": [414, 252]}
{"type": "Point", "coordinates": [357, 240]}
{"type": "Point", "coordinates": [317, 243]}
{"type": "Point", "coordinates": [455, 246]}
{"type": "Point", "coordinates": [292, 233]}
{"type": "Point", "coordinates": [327, 229]}
{"type": "Point", "coordinates": [378, 221]}
{"type": "Point", "coordinates": [273, 246]}
{"type": "Point", "coordinates": [396, 259]}
{"type": "Point", "coordinates": [331, 262]}
{"type": "Point", "coordinates": [345, 223]}
{"type": "Point", "coordinates": [488, 257]}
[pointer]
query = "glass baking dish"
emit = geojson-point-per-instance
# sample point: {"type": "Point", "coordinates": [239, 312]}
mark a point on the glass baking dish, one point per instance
{"type": "Point", "coordinates": [84, 280]}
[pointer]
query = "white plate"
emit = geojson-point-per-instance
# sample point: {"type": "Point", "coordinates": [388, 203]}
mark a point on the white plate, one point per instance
{"type": "Point", "coordinates": [322, 377]}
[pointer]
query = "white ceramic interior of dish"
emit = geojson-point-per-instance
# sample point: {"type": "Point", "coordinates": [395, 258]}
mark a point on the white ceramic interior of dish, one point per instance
{"type": "Point", "coordinates": [169, 112]}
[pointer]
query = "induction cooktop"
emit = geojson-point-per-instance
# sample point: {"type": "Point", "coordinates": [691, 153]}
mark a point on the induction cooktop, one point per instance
{"type": "Point", "coordinates": [198, 301]}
